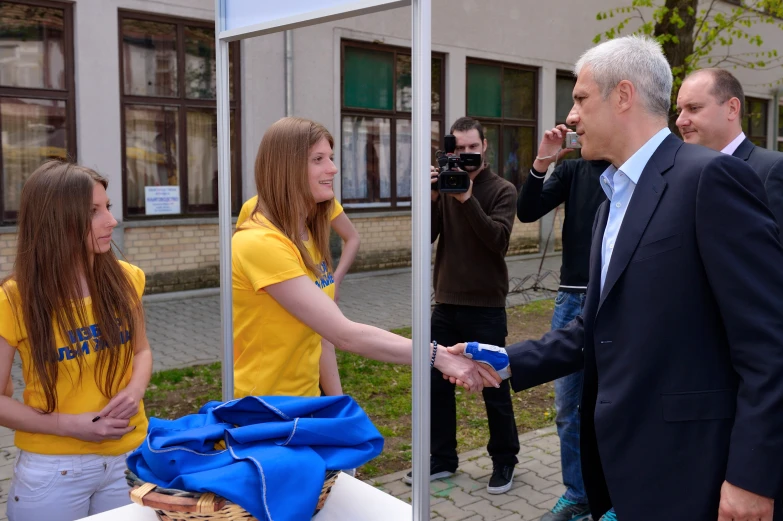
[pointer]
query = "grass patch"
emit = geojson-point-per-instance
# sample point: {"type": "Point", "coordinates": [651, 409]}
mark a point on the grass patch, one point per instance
{"type": "Point", "coordinates": [384, 391]}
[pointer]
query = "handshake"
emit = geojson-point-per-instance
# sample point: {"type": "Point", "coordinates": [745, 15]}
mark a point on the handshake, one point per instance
{"type": "Point", "coordinates": [489, 362]}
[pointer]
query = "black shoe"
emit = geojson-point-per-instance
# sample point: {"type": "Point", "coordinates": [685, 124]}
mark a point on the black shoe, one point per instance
{"type": "Point", "coordinates": [437, 471]}
{"type": "Point", "coordinates": [501, 480]}
{"type": "Point", "coordinates": [566, 510]}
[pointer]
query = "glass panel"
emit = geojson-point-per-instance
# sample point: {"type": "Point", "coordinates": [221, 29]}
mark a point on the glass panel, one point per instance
{"type": "Point", "coordinates": [518, 146]}
{"type": "Point", "coordinates": [151, 147]}
{"type": "Point", "coordinates": [519, 94]}
{"type": "Point", "coordinates": [203, 160]}
{"type": "Point", "coordinates": [200, 63]}
{"type": "Point", "coordinates": [404, 92]}
{"type": "Point", "coordinates": [484, 90]}
{"type": "Point", "coordinates": [149, 54]}
{"type": "Point", "coordinates": [780, 121]}
{"type": "Point", "coordinates": [32, 131]}
{"type": "Point", "coordinates": [369, 79]}
{"type": "Point", "coordinates": [366, 156]}
{"type": "Point", "coordinates": [32, 46]}
{"type": "Point", "coordinates": [405, 154]}
{"type": "Point", "coordinates": [202, 157]}
{"type": "Point", "coordinates": [236, 176]}
{"type": "Point", "coordinates": [491, 133]}
{"type": "Point", "coordinates": [564, 88]}
{"type": "Point", "coordinates": [754, 124]}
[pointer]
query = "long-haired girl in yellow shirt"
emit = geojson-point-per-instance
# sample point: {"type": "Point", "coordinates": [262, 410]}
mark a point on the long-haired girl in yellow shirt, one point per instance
{"type": "Point", "coordinates": [73, 312]}
{"type": "Point", "coordinates": [283, 282]}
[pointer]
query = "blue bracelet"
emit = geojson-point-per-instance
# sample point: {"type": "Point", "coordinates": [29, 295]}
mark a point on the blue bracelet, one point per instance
{"type": "Point", "coordinates": [434, 352]}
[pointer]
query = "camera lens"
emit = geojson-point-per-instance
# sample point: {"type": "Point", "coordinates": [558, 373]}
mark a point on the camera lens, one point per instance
{"type": "Point", "coordinates": [451, 181]}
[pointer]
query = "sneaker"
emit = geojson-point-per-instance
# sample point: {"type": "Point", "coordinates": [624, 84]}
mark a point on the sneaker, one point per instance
{"type": "Point", "coordinates": [501, 480]}
{"type": "Point", "coordinates": [609, 516]}
{"type": "Point", "coordinates": [567, 510]}
{"type": "Point", "coordinates": [437, 471]}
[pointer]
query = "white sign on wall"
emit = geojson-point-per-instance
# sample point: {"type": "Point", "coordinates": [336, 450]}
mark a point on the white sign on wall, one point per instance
{"type": "Point", "coordinates": [243, 17]}
{"type": "Point", "coordinates": [161, 200]}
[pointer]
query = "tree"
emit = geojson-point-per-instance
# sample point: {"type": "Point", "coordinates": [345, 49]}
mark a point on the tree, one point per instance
{"type": "Point", "coordinates": [695, 37]}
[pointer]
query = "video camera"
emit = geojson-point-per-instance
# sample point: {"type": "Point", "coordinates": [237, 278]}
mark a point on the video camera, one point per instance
{"type": "Point", "coordinates": [451, 178]}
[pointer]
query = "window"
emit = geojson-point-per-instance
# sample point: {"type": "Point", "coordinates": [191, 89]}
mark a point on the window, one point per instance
{"type": "Point", "coordinates": [504, 98]}
{"type": "Point", "coordinates": [169, 114]}
{"type": "Point", "coordinates": [376, 123]}
{"type": "Point", "coordinates": [780, 127]}
{"type": "Point", "coordinates": [37, 105]}
{"type": "Point", "coordinates": [754, 122]}
{"type": "Point", "coordinates": [564, 101]}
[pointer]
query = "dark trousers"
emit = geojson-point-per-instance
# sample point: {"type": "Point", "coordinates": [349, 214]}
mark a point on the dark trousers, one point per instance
{"type": "Point", "coordinates": [450, 325]}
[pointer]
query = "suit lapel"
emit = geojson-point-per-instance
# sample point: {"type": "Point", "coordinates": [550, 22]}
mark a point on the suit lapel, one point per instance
{"type": "Point", "coordinates": [744, 149]}
{"type": "Point", "coordinates": [645, 199]}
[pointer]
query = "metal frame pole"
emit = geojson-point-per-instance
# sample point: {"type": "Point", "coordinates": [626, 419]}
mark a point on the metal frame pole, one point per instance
{"type": "Point", "coordinates": [224, 204]}
{"type": "Point", "coordinates": [420, 124]}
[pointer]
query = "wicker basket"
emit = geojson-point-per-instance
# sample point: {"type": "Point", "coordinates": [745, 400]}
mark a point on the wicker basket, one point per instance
{"type": "Point", "coordinates": [178, 505]}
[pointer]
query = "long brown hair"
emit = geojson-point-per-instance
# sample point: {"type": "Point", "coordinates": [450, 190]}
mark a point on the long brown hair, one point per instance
{"type": "Point", "coordinates": [55, 215]}
{"type": "Point", "coordinates": [284, 195]}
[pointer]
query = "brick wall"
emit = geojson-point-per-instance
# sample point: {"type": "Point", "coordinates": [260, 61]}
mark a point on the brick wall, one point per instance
{"type": "Point", "coordinates": [186, 257]}
{"type": "Point", "coordinates": [386, 241]}
{"type": "Point", "coordinates": [175, 257]}
{"type": "Point", "coordinates": [7, 253]}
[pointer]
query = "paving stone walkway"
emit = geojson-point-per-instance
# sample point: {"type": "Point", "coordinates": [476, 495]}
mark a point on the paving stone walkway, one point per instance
{"type": "Point", "coordinates": [184, 330]}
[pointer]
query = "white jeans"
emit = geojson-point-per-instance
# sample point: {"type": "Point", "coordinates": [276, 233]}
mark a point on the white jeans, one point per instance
{"type": "Point", "coordinates": [66, 488]}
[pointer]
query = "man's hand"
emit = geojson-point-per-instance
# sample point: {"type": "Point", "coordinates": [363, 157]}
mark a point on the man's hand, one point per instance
{"type": "Point", "coordinates": [492, 358]}
{"type": "Point", "coordinates": [468, 374]}
{"type": "Point", "coordinates": [463, 197]}
{"type": "Point", "coordinates": [551, 147]}
{"type": "Point", "coordinates": [737, 504]}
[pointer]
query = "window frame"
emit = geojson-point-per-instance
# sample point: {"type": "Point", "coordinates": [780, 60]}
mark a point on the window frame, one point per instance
{"type": "Point", "coordinates": [779, 126]}
{"type": "Point", "coordinates": [765, 116]}
{"type": "Point", "coordinates": [503, 122]}
{"type": "Point", "coordinates": [183, 104]}
{"type": "Point", "coordinates": [393, 202]}
{"type": "Point", "coordinates": [68, 94]}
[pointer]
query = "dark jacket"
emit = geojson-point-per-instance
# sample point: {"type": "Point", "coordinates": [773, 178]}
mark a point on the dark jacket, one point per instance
{"type": "Point", "coordinates": [768, 164]}
{"type": "Point", "coordinates": [470, 259]}
{"type": "Point", "coordinates": [683, 349]}
{"type": "Point", "coordinates": [575, 182]}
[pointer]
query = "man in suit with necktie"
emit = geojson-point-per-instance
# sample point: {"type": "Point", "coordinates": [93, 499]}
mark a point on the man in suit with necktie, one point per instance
{"type": "Point", "coordinates": [681, 338]}
{"type": "Point", "coordinates": [711, 104]}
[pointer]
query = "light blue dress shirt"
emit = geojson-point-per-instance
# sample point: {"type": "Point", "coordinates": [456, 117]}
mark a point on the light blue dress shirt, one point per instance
{"type": "Point", "coordinates": [619, 184]}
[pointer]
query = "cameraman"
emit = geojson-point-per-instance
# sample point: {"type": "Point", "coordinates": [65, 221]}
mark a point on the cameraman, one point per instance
{"type": "Point", "coordinates": [471, 284]}
{"type": "Point", "coordinates": [577, 184]}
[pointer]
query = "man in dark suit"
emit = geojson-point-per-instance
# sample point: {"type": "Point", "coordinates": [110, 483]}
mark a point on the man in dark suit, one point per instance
{"type": "Point", "coordinates": [711, 104]}
{"type": "Point", "coordinates": [681, 338]}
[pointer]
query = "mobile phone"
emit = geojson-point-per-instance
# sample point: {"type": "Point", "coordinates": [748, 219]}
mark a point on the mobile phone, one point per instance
{"type": "Point", "coordinates": [572, 140]}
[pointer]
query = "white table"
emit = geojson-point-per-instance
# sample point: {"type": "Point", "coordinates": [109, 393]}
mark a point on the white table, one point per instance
{"type": "Point", "coordinates": [350, 499]}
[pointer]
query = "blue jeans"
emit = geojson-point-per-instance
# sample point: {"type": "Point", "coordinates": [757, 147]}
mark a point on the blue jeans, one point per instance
{"type": "Point", "coordinates": [568, 395]}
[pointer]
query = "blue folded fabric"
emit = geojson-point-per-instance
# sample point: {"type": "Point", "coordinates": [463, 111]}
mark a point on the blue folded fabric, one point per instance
{"type": "Point", "coordinates": [278, 449]}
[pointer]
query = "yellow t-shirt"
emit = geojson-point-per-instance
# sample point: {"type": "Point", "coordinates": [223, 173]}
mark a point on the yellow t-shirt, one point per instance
{"type": "Point", "coordinates": [274, 352]}
{"type": "Point", "coordinates": [250, 205]}
{"type": "Point", "coordinates": [73, 396]}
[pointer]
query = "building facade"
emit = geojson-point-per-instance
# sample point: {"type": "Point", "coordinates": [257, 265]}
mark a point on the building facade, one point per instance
{"type": "Point", "coordinates": [127, 87]}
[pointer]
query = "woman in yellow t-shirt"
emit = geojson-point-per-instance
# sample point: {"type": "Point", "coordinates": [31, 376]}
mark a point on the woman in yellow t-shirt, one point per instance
{"type": "Point", "coordinates": [73, 312]}
{"type": "Point", "coordinates": [283, 282]}
{"type": "Point", "coordinates": [342, 225]}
